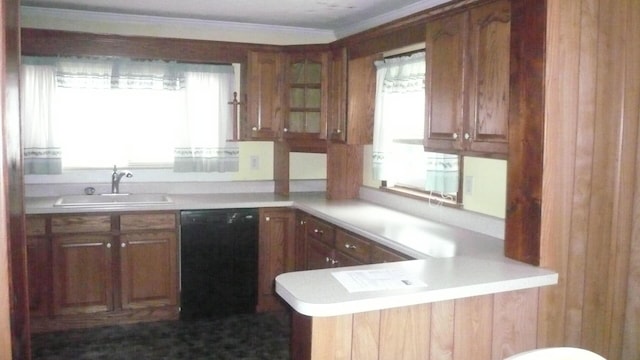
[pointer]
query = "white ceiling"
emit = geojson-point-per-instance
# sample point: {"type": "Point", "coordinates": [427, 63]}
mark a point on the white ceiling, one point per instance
{"type": "Point", "coordinates": [343, 17]}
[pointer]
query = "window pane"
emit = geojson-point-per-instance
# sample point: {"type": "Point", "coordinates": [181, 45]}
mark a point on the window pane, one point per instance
{"type": "Point", "coordinates": [101, 128]}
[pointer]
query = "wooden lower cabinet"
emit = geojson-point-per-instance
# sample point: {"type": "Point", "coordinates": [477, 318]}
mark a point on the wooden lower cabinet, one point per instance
{"type": "Point", "coordinates": [148, 269]}
{"type": "Point", "coordinates": [327, 246]}
{"type": "Point", "coordinates": [82, 274]}
{"type": "Point", "coordinates": [276, 254]}
{"type": "Point", "coordinates": [103, 270]}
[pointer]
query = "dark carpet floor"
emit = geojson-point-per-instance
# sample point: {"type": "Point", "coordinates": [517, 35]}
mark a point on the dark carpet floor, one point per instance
{"type": "Point", "coordinates": [255, 336]}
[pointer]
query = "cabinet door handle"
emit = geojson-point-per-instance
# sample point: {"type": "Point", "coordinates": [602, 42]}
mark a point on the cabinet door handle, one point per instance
{"type": "Point", "coordinates": [318, 231]}
{"type": "Point", "coordinates": [108, 245]}
{"type": "Point", "coordinates": [327, 259]}
{"type": "Point", "coordinates": [455, 136]}
{"type": "Point", "coordinates": [302, 222]}
{"type": "Point", "coordinates": [338, 131]}
{"type": "Point", "coordinates": [350, 246]}
{"type": "Point", "coordinates": [254, 128]}
{"type": "Point", "coordinates": [334, 262]}
{"type": "Point", "coordinates": [467, 136]}
{"type": "Point", "coordinates": [267, 218]}
{"type": "Point", "coordinates": [286, 130]}
{"type": "Point", "coordinates": [123, 245]}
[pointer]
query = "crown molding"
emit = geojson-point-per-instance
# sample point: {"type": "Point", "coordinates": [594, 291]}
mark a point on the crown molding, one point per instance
{"type": "Point", "coordinates": [143, 25]}
{"type": "Point", "coordinates": [386, 18]}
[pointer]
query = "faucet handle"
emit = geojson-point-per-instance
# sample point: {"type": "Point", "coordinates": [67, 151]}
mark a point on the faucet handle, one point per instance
{"type": "Point", "coordinates": [115, 169]}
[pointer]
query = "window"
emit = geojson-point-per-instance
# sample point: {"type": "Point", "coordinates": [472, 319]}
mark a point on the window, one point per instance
{"type": "Point", "coordinates": [84, 113]}
{"type": "Point", "coordinates": [399, 159]}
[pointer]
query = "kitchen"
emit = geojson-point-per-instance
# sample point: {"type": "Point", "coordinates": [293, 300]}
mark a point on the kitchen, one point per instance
{"type": "Point", "coordinates": [605, 264]}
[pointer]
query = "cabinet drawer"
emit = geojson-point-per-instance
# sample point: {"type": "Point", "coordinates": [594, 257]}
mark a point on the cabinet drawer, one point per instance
{"type": "Point", "coordinates": [66, 224]}
{"type": "Point", "coordinates": [320, 230]}
{"type": "Point", "coordinates": [353, 246]}
{"type": "Point", "coordinates": [382, 255]}
{"type": "Point", "coordinates": [36, 225]}
{"type": "Point", "coordinates": [147, 221]}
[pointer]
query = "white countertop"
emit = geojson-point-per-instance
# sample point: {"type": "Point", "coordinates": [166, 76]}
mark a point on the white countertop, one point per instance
{"type": "Point", "coordinates": [318, 293]}
{"type": "Point", "coordinates": [452, 261]}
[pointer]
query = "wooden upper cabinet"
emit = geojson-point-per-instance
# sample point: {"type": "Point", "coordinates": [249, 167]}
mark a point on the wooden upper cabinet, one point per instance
{"type": "Point", "coordinates": [306, 99]}
{"type": "Point", "coordinates": [361, 85]}
{"type": "Point", "coordinates": [446, 53]}
{"type": "Point", "coordinates": [264, 96]}
{"type": "Point", "coordinates": [467, 81]}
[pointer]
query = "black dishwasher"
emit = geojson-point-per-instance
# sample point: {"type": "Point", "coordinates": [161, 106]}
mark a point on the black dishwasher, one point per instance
{"type": "Point", "coordinates": [218, 262]}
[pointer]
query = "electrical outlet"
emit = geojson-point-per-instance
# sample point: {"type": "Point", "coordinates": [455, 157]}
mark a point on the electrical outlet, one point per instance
{"type": "Point", "coordinates": [254, 161]}
{"type": "Point", "coordinates": [468, 185]}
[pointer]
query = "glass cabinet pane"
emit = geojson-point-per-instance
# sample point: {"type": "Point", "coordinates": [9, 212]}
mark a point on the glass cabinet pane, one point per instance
{"type": "Point", "coordinates": [313, 98]}
{"type": "Point", "coordinates": [296, 121]}
{"type": "Point", "coordinates": [313, 122]}
{"type": "Point", "coordinates": [297, 98]}
{"type": "Point", "coordinates": [297, 73]}
{"type": "Point", "coordinates": [313, 73]}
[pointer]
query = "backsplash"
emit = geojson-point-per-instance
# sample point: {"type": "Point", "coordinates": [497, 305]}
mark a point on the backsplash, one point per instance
{"type": "Point", "coordinates": [221, 187]}
{"type": "Point", "coordinates": [469, 220]}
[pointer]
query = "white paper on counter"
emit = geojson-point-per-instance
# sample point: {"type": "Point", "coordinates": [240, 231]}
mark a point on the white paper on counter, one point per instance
{"type": "Point", "coordinates": [375, 280]}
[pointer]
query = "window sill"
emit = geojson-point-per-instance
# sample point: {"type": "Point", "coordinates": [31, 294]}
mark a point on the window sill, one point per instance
{"type": "Point", "coordinates": [421, 195]}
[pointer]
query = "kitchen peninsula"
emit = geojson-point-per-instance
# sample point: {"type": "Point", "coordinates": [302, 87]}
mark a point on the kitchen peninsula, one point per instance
{"type": "Point", "coordinates": [473, 293]}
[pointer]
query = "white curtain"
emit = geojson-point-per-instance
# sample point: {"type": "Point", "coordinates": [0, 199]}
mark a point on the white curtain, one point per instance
{"type": "Point", "coordinates": [399, 111]}
{"type": "Point", "coordinates": [42, 152]}
{"type": "Point", "coordinates": [203, 115]}
{"type": "Point", "coordinates": [203, 144]}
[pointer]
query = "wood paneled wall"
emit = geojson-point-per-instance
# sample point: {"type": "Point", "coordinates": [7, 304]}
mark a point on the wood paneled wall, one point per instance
{"type": "Point", "coordinates": [481, 327]}
{"type": "Point", "coordinates": [591, 203]}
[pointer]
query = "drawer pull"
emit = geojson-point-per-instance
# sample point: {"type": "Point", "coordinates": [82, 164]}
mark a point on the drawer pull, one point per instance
{"type": "Point", "coordinates": [327, 259]}
{"type": "Point", "coordinates": [318, 231]}
{"type": "Point", "coordinates": [350, 246]}
{"type": "Point", "coordinates": [108, 245]}
{"type": "Point", "coordinates": [334, 262]}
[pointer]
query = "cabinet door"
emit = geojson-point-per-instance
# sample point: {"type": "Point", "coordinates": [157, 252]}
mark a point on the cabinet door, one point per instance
{"type": "Point", "coordinates": [38, 265]}
{"type": "Point", "coordinates": [307, 77]}
{"type": "Point", "coordinates": [446, 53]}
{"type": "Point", "coordinates": [148, 267]}
{"type": "Point", "coordinates": [300, 243]}
{"type": "Point", "coordinates": [337, 98]}
{"type": "Point", "coordinates": [319, 255]}
{"type": "Point", "coordinates": [38, 272]}
{"type": "Point", "coordinates": [361, 100]}
{"type": "Point", "coordinates": [82, 274]}
{"type": "Point", "coordinates": [276, 253]}
{"type": "Point", "coordinates": [264, 95]}
{"type": "Point", "coordinates": [489, 78]}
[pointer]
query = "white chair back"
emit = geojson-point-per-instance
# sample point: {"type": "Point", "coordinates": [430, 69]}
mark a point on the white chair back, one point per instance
{"type": "Point", "coordinates": [556, 353]}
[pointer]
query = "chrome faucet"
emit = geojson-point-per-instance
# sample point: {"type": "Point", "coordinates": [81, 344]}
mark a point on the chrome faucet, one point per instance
{"type": "Point", "coordinates": [116, 177]}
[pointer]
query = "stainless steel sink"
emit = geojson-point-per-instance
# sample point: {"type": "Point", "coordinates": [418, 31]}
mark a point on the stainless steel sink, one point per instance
{"type": "Point", "coordinates": [112, 200]}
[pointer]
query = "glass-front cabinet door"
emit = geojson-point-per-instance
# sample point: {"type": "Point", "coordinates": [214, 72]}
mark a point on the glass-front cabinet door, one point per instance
{"type": "Point", "coordinates": [305, 120]}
